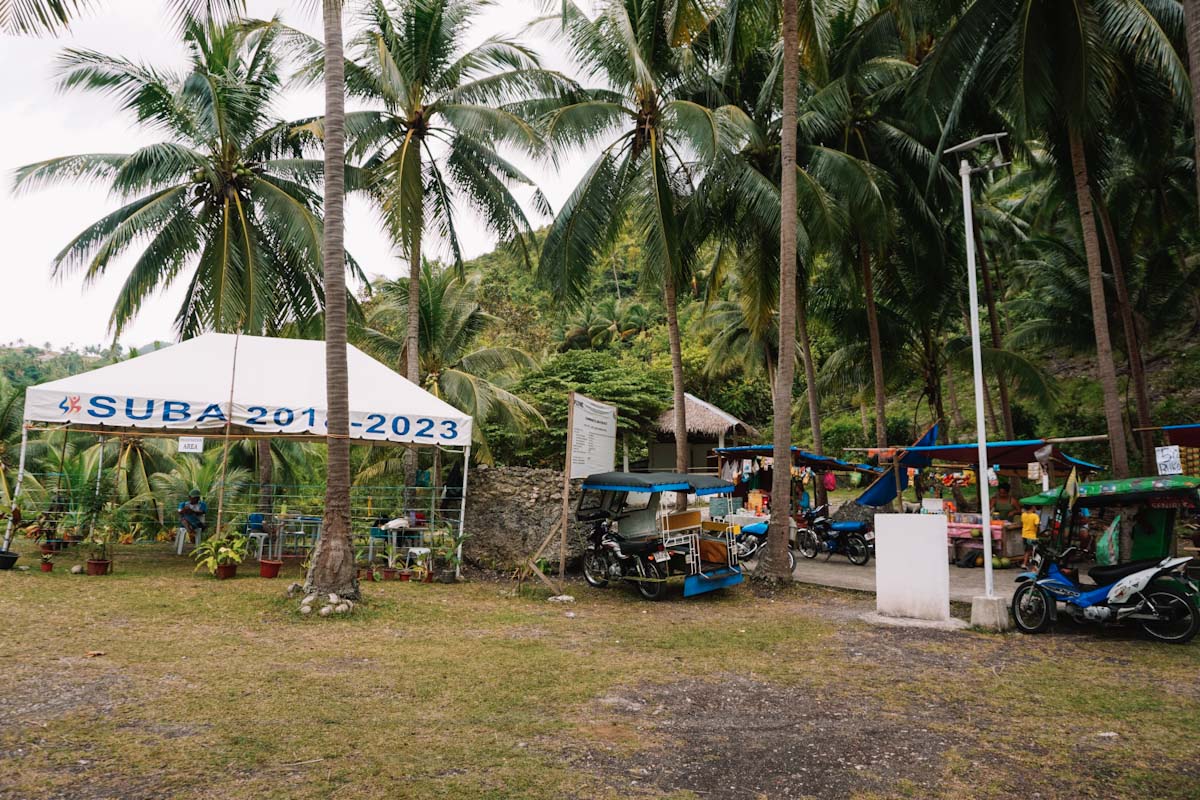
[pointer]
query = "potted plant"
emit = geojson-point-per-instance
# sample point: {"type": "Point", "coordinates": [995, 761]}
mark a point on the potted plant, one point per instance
{"type": "Point", "coordinates": [446, 560]}
{"type": "Point", "coordinates": [391, 572]}
{"type": "Point", "coordinates": [269, 568]}
{"type": "Point", "coordinates": [221, 554]}
{"type": "Point", "coordinates": [98, 548]}
{"type": "Point", "coordinates": [47, 562]}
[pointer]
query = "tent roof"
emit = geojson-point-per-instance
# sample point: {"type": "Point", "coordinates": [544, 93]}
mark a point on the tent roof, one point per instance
{"type": "Point", "coordinates": [703, 417]}
{"type": "Point", "coordinates": [1014, 454]}
{"type": "Point", "coordinates": [278, 386]}
{"type": "Point", "coordinates": [647, 482]}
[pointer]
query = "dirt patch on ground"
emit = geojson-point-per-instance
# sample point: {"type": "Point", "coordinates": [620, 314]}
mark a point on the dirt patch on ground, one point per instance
{"type": "Point", "coordinates": [735, 737]}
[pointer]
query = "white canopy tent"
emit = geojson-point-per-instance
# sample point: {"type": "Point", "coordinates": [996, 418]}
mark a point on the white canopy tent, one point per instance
{"type": "Point", "coordinates": [243, 386]}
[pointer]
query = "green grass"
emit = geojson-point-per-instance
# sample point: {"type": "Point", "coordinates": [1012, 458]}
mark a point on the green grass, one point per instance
{"type": "Point", "coordinates": [221, 689]}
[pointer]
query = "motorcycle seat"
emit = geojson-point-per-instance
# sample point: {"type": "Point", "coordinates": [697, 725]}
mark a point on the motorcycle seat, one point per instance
{"type": "Point", "coordinates": [632, 547]}
{"type": "Point", "coordinates": [849, 526]}
{"type": "Point", "coordinates": [1103, 576]}
{"type": "Point", "coordinates": [756, 528]}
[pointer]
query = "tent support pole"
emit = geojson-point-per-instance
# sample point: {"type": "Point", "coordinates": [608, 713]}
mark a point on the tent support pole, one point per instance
{"type": "Point", "coordinates": [8, 529]}
{"type": "Point", "coordinates": [99, 471]}
{"type": "Point", "coordinates": [225, 445]}
{"type": "Point", "coordinates": [462, 511]}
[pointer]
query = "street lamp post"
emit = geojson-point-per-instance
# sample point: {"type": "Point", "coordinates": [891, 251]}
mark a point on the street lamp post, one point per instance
{"type": "Point", "coordinates": [965, 171]}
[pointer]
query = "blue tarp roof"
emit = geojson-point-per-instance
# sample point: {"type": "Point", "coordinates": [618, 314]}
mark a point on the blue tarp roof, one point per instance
{"type": "Point", "coordinates": [648, 482]}
{"type": "Point", "coordinates": [800, 457]}
{"type": "Point", "coordinates": [1012, 455]}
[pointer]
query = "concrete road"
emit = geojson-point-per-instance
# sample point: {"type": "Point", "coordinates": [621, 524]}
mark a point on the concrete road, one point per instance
{"type": "Point", "coordinates": [841, 574]}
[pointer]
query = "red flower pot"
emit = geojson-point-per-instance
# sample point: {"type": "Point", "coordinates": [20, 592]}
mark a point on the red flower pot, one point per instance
{"type": "Point", "coordinates": [269, 569]}
{"type": "Point", "coordinates": [47, 566]}
{"type": "Point", "coordinates": [97, 567]}
{"type": "Point", "coordinates": [389, 574]}
{"type": "Point", "coordinates": [405, 575]}
{"type": "Point", "coordinates": [226, 571]}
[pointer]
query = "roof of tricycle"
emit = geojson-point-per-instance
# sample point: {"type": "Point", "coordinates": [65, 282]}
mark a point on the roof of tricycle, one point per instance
{"type": "Point", "coordinates": [650, 482]}
{"type": "Point", "coordinates": [1094, 494]}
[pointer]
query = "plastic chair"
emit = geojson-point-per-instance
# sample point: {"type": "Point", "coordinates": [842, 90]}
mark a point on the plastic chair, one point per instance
{"type": "Point", "coordinates": [254, 529]}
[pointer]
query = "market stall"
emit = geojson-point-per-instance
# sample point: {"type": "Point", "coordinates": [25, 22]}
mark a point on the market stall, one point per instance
{"type": "Point", "coordinates": [242, 387]}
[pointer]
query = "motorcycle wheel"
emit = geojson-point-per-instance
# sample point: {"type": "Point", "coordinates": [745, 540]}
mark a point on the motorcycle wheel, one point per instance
{"type": "Point", "coordinates": [857, 550]}
{"type": "Point", "coordinates": [808, 543]}
{"type": "Point", "coordinates": [652, 587]}
{"type": "Point", "coordinates": [1031, 608]}
{"type": "Point", "coordinates": [594, 571]}
{"type": "Point", "coordinates": [791, 560]}
{"type": "Point", "coordinates": [1184, 620]}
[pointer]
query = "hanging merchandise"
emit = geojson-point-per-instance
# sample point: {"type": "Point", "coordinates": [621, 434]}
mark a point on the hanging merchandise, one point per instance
{"type": "Point", "coordinates": [830, 482]}
{"type": "Point", "coordinates": [991, 477]}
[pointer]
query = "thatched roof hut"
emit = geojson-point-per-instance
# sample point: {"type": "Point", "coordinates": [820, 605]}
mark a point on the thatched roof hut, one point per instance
{"type": "Point", "coordinates": [706, 420]}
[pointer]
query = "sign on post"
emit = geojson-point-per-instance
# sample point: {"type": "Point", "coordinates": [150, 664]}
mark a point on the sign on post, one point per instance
{"type": "Point", "coordinates": [191, 444]}
{"type": "Point", "coordinates": [592, 436]}
{"type": "Point", "coordinates": [1169, 460]}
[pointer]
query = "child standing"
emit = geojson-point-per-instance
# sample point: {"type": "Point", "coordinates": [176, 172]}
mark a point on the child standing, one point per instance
{"type": "Point", "coordinates": [1029, 532]}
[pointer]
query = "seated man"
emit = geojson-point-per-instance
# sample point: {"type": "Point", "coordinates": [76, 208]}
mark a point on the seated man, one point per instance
{"type": "Point", "coordinates": [191, 514]}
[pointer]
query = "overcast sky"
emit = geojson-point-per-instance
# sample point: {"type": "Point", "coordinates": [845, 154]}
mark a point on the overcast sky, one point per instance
{"type": "Point", "coordinates": [41, 123]}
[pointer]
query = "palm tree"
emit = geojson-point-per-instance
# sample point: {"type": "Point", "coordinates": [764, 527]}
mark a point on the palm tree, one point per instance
{"type": "Point", "coordinates": [226, 201]}
{"type": "Point", "coordinates": [457, 368]}
{"type": "Point", "coordinates": [332, 568]}
{"type": "Point", "coordinates": [442, 108]}
{"type": "Point", "coordinates": [1055, 67]}
{"type": "Point", "coordinates": [654, 140]}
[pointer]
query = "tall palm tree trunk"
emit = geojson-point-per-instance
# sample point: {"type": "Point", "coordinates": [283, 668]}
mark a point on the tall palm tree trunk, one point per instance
{"type": "Point", "coordinates": [1133, 343]}
{"type": "Point", "coordinates": [864, 259]}
{"type": "Point", "coordinates": [680, 411]}
{"type": "Point", "coordinates": [997, 341]}
{"type": "Point", "coordinates": [785, 375]}
{"type": "Point", "coordinates": [412, 343]}
{"type": "Point", "coordinates": [266, 479]}
{"type": "Point", "coordinates": [1191, 13]}
{"type": "Point", "coordinates": [332, 567]}
{"type": "Point", "coordinates": [956, 414]}
{"type": "Point", "coordinates": [1104, 357]}
{"type": "Point", "coordinates": [810, 382]}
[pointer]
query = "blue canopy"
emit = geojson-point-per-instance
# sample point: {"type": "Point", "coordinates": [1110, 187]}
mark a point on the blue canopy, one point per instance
{"type": "Point", "coordinates": [1006, 455]}
{"type": "Point", "coordinates": [801, 458]}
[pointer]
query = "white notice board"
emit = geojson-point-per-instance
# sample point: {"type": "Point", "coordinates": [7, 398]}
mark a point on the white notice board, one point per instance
{"type": "Point", "coordinates": [1169, 460]}
{"type": "Point", "coordinates": [191, 444]}
{"type": "Point", "coordinates": [593, 436]}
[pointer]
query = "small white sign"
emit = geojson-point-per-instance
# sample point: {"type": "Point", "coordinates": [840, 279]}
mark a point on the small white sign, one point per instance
{"type": "Point", "coordinates": [593, 437]}
{"type": "Point", "coordinates": [1034, 471]}
{"type": "Point", "coordinates": [191, 444]}
{"type": "Point", "coordinates": [1169, 460]}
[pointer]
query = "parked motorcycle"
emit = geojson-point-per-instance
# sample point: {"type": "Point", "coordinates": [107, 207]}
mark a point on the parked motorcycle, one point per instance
{"type": "Point", "coordinates": [753, 540]}
{"type": "Point", "coordinates": [609, 557]}
{"type": "Point", "coordinates": [818, 534]}
{"type": "Point", "coordinates": [1154, 593]}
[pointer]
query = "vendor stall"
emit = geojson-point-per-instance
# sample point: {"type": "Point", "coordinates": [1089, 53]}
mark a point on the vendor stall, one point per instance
{"type": "Point", "coordinates": [242, 387]}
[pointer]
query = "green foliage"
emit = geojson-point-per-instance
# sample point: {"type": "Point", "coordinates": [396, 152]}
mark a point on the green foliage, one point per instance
{"type": "Point", "coordinates": [220, 550]}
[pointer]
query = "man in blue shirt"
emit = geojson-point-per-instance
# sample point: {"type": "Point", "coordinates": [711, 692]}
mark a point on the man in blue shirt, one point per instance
{"type": "Point", "coordinates": [191, 513]}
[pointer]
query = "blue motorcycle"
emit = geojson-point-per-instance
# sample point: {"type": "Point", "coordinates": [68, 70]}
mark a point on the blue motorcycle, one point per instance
{"type": "Point", "coordinates": [1154, 593]}
{"type": "Point", "coordinates": [818, 534]}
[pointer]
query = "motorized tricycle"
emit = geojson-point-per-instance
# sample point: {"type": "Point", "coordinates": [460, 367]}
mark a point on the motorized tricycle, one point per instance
{"type": "Point", "coordinates": [634, 538]}
{"type": "Point", "coordinates": [1148, 586]}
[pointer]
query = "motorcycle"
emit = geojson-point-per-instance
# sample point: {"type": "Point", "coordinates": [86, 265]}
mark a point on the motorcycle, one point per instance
{"type": "Point", "coordinates": [608, 557]}
{"type": "Point", "coordinates": [1154, 593]}
{"type": "Point", "coordinates": [753, 539]}
{"type": "Point", "coordinates": [818, 534]}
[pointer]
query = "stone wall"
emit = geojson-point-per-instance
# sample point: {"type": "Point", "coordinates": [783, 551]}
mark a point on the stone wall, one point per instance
{"type": "Point", "coordinates": [510, 510]}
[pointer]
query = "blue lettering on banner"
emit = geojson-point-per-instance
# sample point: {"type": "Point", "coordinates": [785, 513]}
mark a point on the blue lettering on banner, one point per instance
{"type": "Point", "coordinates": [147, 415]}
{"type": "Point", "coordinates": [176, 411]}
{"type": "Point", "coordinates": [102, 407]}
{"type": "Point", "coordinates": [212, 412]}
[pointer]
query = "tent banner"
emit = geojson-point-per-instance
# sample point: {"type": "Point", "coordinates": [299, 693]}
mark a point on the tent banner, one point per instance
{"type": "Point", "coordinates": [103, 410]}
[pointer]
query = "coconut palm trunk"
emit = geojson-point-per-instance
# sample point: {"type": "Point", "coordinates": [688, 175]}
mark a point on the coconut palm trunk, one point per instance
{"type": "Point", "coordinates": [1191, 11]}
{"type": "Point", "coordinates": [332, 567]}
{"type": "Point", "coordinates": [785, 374]}
{"type": "Point", "coordinates": [956, 414]}
{"type": "Point", "coordinates": [266, 479]}
{"type": "Point", "coordinates": [1104, 358]}
{"type": "Point", "coordinates": [680, 412]}
{"type": "Point", "coordinates": [989, 297]}
{"type": "Point", "coordinates": [864, 259]}
{"type": "Point", "coordinates": [1133, 342]}
{"type": "Point", "coordinates": [810, 385]}
{"type": "Point", "coordinates": [412, 340]}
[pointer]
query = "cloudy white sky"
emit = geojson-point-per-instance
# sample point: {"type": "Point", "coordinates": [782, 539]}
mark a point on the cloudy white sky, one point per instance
{"type": "Point", "coordinates": [40, 123]}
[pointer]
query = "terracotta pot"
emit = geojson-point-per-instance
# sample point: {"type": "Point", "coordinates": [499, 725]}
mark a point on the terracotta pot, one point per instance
{"type": "Point", "coordinates": [365, 574]}
{"type": "Point", "coordinates": [226, 571]}
{"type": "Point", "coordinates": [405, 575]}
{"type": "Point", "coordinates": [47, 566]}
{"type": "Point", "coordinates": [95, 567]}
{"type": "Point", "coordinates": [390, 573]}
{"type": "Point", "coordinates": [269, 569]}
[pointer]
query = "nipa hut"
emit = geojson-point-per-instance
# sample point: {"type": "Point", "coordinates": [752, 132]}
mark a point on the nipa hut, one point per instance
{"type": "Point", "coordinates": [708, 427]}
